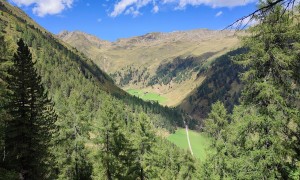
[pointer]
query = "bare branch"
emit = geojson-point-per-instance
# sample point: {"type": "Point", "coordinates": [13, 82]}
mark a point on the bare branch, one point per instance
{"type": "Point", "coordinates": [240, 23]}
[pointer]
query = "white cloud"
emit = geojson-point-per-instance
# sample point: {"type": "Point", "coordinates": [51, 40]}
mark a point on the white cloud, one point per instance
{"type": "Point", "coordinates": [245, 23]}
{"type": "Point", "coordinates": [168, 1]}
{"type": "Point", "coordinates": [44, 7]}
{"type": "Point", "coordinates": [132, 11]}
{"type": "Point", "coordinates": [155, 9]}
{"type": "Point", "coordinates": [219, 13]}
{"type": "Point", "coordinates": [215, 3]}
{"type": "Point", "coordinates": [249, 22]}
{"type": "Point", "coordinates": [121, 6]}
{"type": "Point", "coordinates": [23, 2]}
{"type": "Point", "coordinates": [133, 6]}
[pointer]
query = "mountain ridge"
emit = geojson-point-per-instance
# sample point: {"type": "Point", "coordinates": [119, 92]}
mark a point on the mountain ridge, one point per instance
{"type": "Point", "coordinates": [193, 35]}
{"type": "Point", "coordinates": [140, 62]}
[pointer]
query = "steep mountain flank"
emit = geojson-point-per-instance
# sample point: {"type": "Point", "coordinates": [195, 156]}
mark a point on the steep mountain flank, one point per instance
{"type": "Point", "coordinates": [222, 83]}
{"type": "Point", "coordinates": [76, 84]}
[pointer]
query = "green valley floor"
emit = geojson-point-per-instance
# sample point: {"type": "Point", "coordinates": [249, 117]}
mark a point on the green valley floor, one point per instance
{"type": "Point", "coordinates": [199, 141]}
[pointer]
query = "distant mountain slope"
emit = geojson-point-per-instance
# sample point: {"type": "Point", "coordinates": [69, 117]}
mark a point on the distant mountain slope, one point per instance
{"type": "Point", "coordinates": [222, 83]}
{"type": "Point", "coordinates": [164, 63]}
{"type": "Point", "coordinates": [76, 84]}
{"type": "Point", "coordinates": [18, 24]}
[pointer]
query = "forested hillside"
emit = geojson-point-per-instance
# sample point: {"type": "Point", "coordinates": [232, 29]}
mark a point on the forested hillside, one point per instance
{"type": "Point", "coordinates": [222, 83]}
{"type": "Point", "coordinates": [59, 64]}
{"type": "Point", "coordinates": [98, 129]}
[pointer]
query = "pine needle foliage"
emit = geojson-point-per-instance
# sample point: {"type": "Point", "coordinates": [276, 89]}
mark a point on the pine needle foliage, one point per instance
{"type": "Point", "coordinates": [262, 138]}
{"type": "Point", "coordinates": [28, 132]}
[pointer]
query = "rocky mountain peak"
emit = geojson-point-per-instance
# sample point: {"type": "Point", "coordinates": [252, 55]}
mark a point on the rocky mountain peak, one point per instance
{"type": "Point", "coordinates": [83, 38]}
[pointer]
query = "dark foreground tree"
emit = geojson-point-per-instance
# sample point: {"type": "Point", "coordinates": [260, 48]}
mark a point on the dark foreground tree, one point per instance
{"type": "Point", "coordinates": [270, 141]}
{"type": "Point", "coordinates": [28, 131]}
{"type": "Point", "coordinates": [262, 140]}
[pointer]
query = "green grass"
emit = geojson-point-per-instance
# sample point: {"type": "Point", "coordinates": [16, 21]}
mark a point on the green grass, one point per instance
{"type": "Point", "coordinates": [200, 143]}
{"type": "Point", "coordinates": [147, 96]}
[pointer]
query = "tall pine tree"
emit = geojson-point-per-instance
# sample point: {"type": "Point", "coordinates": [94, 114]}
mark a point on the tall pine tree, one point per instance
{"type": "Point", "coordinates": [28, 132]}
{"type": "Point", "coordinates": [116, 153]}
{"type": "Point", "coordinates": [216, 126]}
{"type": "Point", "coordinates": [262, 141]}
{"type": "Point", "coordinates": [71, 138]}
{"type": "Point", "coordinates": [144, 139]}
{"type": "Point", "coordinates": [271, 95]}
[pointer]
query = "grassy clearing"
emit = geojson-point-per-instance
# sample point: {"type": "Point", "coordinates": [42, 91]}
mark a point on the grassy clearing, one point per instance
{"type": "Point", "coordinates": [199, 142]}
{"type": "Point", "coordinates": [147, 96]}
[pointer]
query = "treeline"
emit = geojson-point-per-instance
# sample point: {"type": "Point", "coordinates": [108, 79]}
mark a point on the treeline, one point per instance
{"type": "Point", "coordinates": [131, 75]}
{"type": "Point", "coordinates": [261, 138]}
{"type": "Point", "coordinates": [179, 69]}
{"type": "Point", "coordinates": [162, 116]}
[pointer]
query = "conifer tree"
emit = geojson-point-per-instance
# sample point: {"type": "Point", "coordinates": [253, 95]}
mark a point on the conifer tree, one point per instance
{"type": "Point", "coordinates": [216, 126]}
{"type": "Point", "coordinates": [70, 151]}
{"type": "Point", "coordinates": [187, 167]}
{"type": "Point", "coordinates": [28, 132]}
{"type": "Point", "coordinates": [271, 92]}
{"type": "Point", "coordinates": [156, 162]}
{"type": "Point", "coordinates": [262, 141]}
{"type": "Point", "coordinates": [116, 153]}
{"type": "Point", "coordinates": [217, 121]}
{"type": "Point", "coordinates": [144, 140]}
{"type": "Point", "coordinates": [166, 161]}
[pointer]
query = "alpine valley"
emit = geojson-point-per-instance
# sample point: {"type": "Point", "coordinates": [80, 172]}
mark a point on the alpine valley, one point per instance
{"type": "Point", "coordinates": [195, 104]}
{"type": "Point", "coordinates": [174, 66]}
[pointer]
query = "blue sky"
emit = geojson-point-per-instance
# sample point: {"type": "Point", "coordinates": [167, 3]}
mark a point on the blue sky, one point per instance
{"type": "Point", "coordinates": [110, 19]}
